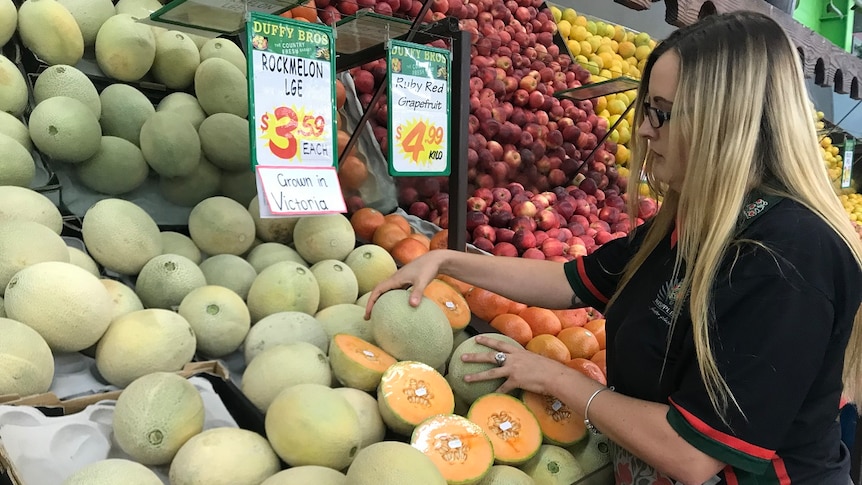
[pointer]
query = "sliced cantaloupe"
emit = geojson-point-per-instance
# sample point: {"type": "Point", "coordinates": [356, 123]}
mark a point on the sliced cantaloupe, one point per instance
{"type": "Point", "coordinates": [507, 475]}
{"type": "Point", "coordinates": [512, 428]}
{"type": "Point", "coordinates": [452, 303]}
{"type": "Point", "coordinates": [553, 465]}
{"type": "Point", "coordinates": [357, 363]}
{"type": "Point", "coordinates": [411, 392]}
{"type": "Point", "coordinates": [560, 425]}
{"type": "Point", "coordinates": [458, 446]}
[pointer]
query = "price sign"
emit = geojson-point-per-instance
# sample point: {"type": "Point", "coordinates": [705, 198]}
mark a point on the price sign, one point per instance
{"type": "Point", "coordinates": [847, 171]}
{"type": "Point", "coordinates": [291, 91]}
{"type": "Point", "coordinates": [418, 109]}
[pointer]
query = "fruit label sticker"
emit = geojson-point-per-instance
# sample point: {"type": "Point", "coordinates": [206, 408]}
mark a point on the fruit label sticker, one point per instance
{"type": "Point", "coordinates": [418, 109]}
{"type": "Point", "coordinates": [296, 191]}
{"type": "Point", "coordinates": [846, 172]}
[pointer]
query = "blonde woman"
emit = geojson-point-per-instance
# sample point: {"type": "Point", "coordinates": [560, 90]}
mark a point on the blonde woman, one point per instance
{"type": "Point", "coordinates": [732, 322]}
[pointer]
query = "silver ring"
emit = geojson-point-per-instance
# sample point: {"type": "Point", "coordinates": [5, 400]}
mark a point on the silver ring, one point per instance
{"type": "Point", "coordinates": [500, 358]}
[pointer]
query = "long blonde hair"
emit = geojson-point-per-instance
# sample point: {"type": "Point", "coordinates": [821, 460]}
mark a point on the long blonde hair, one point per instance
{"type": "Point", "coordinates": [741, 116]}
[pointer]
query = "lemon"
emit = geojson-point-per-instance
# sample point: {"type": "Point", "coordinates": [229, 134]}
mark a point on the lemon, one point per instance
{"type": "Point", "coordinates": [595, 42]}
{"type": "Point", "coordinates": [616, 107]}
{"type": "Point", "coordinates": [564, 27]}
{"type": "Point", "coordinates": [604, 114]}
{"type": "Point", "coordinates": [642, 39]}
{"type": "Point", "coordinates": [622, 155]}
{"type": "Point", "coordinates": [591, 27]}
{"type": "Point", "coordinates": [586, 48]}
{"type": "Point", "coordinates": [570, 15]}
{"type": "Point", "coordinates": [619, 33]}
{"type": "Point", "coordinates": [642, 52]}
{"type": "Point", "coordinates": [557, 13]}
{"type": "Point", "coordinates": [574, 47]}
{"type": "Point", "coordinates": [580, 20]}
{"type": "Point", "coordinates": [578, 33]}
{"type": "Point", "coordinates": [601, 103]}
{"type": "Point", "coordinates": [614, 136]}
{"type": "Point", "coordinates": [610, 31]}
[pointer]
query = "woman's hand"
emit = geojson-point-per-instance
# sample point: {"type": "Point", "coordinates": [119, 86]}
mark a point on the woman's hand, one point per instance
{"type": "Point", "coordinates": [418, 273]}
{"type": "Point", "coordinates": [522, 369]}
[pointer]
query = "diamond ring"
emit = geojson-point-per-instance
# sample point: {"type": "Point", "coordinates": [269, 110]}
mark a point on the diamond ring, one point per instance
{"type": "Point", "coordinates": [500, 358]}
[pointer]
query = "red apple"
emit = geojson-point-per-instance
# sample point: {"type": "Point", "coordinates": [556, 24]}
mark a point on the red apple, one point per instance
{"type": "Point", "coordinates": [504, 234]}
{"type": "Point", "coordinates": [533, 253]}
{"type": "Point", "coordinates": [483, 244]}
{"type": "Point", "coordinates": [525, 209]}
{"type": "Point", "coordinates": [523, 224]}
{"type": "Point", "coordinates": [476, 204]}
{"type": "Point", "coordinates": [547, 220]}
{"type": "Point", "coordinates": [505, 249]}
{"type": "Point", "coordinates": [646, 208]}
{"type": "Point", "coordinates": [486, 231]}
{"type": "Point", "coordinates": [523, 240]}
{"type": "Point", "coordinates": [553, 247]}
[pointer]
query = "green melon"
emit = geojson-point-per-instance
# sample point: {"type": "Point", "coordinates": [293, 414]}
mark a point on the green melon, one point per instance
{"type": "Point", "coordinates": [170, 145]}
{"type": "Point", "coordinates": [23, 204]}
{"type": "Point", "coordinates": [224, 455]}
{"type": "Point", "coordinates": [324, 237]}
{"type": "Point", "coordinates": [112, 471]}
{"type": "Point", "coordinates": [8, 21]}
{"type": "Point", "coordinates": [117, 168]}
{"type": "Point", "coordinates": [284, 328]}
{"type": "Point", "coordinates": [267, 254]}
{"type": "Point", "coordinates": [141, 239]}
{"type": "Point", "coordinates": [218, 317]}
{"type": "Point", "coordinates": [124, 112]}
{"type": "Point", "coordinates": [391, 463]}
{"type": "Point", "coordinates": [506, 475]}
{"type": "Point", "coordinates": [176, 243]}
{"type": "Point", "coordinates": [283, 366]}
{"type": "Point", "coordinates": [125, 49]}
{"type": "Point", "coordinates": [13, 88]}
{"type": "Point", "coordinates": [225, 141]}
{"type": "Point", "coordinates": [65, 129]}
{"type": "Point", "coordinates": [470, 391]}
{"type": "Point", "coordinates": [219, 225]}
{"type": "Point", "coordinates": [16, 165]}
{"type": "Point", "coordinates": [371, 264]}
{"type": "Point", "coordinates": [345, 318]}
{"type": "Point", "coordinates": [373, 428]}
{"type": "Point", "coordinates": [318, 475]}
{"type": "Point", "coordinates": [89, 15]}
{"type": "Point", "coordinates": [63, 80]}
{"type": "Point", "coordinates": [283, 287]}
{"type": "Point", "coordinates": [177, 59]}
{"type": "Point", "coordinates": [185, 106]}
{"type": "Point", "coordinates": [411, 333]}
{"type": "Point", "coordinates": [192, 189]}
{"type": "Point", "coordinates": [166, 279]}
{"type": "Point", "coordinates": [124, 299]}
{"type": "Point", "coordinates": [15, 129]}
{"type": "Point", "coordinates": [240, 186]}
{"type": "Point", "coordinates": [226, 50]}
{"type": "Point", "coordinates": [2, 307]}
{"type": "Point", "coordinates": [270, 229]}
{"type": "Point", "coordinates": [138, 8]}
{"type": "Point", "coordinates": [230, 271]}
{"type": "Point", "coordinates": [336, 281]}
{"type": "Point", "coordinates": [363, 300]}
{"type": "Point", "coordinates": [84, 261]}
{"type": "Point", "coordinates": [593, 453]}
{"type": "Point", "coordinates": [64, 45]}
{"type": "Point", "coordinates": [553, 465]}
{"type": "Point", "coordinates": [155, 416]}
{"type": "Point", "coordinates": [26, 362]}
{"type": "Point", "coordinates": [221, 88]}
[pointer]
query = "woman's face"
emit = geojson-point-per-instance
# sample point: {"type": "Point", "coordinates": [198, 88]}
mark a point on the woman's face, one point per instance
{"type": "Point", "coordinates": [666, 167]}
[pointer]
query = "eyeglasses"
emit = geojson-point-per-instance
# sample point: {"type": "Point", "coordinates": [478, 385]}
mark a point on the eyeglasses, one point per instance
{"type": "Point", "coordinates": [656, 117]}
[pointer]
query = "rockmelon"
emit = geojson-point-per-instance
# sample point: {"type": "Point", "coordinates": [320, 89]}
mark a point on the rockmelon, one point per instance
{"type": "Point", "coordinates": [357, 363]}
{"type": "Point", "coordinates": [265, 255]}
{"type": "Point", "coordinates": [324, 237]}
{"type": "Point", "coordinates": [113, 471]}
{"type": "Point", "coordinates": [309, 474]}
{"type": "Point", "coordinates": [594, 454]}
{"type": "Point", "coordinates": [25, 243]}
{"type": "Point", "coordinates": [140, 241]}
{"type": "Point", "coordinates": [185, 106]}
{"type": "Point", "coordinates": [83, 260]}
{"type": "Point", "coordinates": [170, 145]}
{"type": "Point", "coordinates": [218, 317]}
{"type": "Point", "coordinates": [406, 332]}
{"type": "Point", "coordinates": [282, 366]}
{"type": "Point", "coordinates": [362, 301]}
{"type": "Point", "coordinates": [23, 204]}
{"type": "Point", "coordinates": [393, 463]}
{"type": "Point", "coordinates": [26, 362]}
{"type": "Point", "coordinates": [68, 306]}
{"type": "Point", "coordinates": [506, 475]}
{"type": "Point", "coordinates": [225, 141]}
{"type": "Point", "coordinates": [219, 225]}
{"type": "Point", "coordinates": [192, 189]}
{"type": "Point", "coordinates": [458, 339]}
{"type": "Point", "coordinates": [510, 425]}
{"type": "Point", "coordinates": [311, 424]}
{"type": "Point", "coordinates": [336, 281]}
{"type": "Point", "coordinates": [457, 446]}
{"type": "Point", "coordinates": [284, 328]}
{"type": "Point", "coordinates": [373, 427]}
{"type": "Point", "coordinates": [124, 111]}
{"type": "Point", "coordinates": [177, 59]}
{"type": "Point", "coordinates": [372, 265]}
{"type": "Point", "coordinates": [65, 129]}
{"type": "Point", "coordinates": [230, 271]}
{"type": "Point", "coordinates": [553, 465]}
{"type": "Point", "coordinates": [272, 229]}
{"type": "Point", "coordinates": [560, 424]}
{"type": "Point", "coordinates": [177, 243]}
{"type": "Point", "coordinates": [470, 391]}
{"type": "Point", "coordinates": [283, 287]}
{"type": "Point", "coordinates": [155, 416]}
{"type": "Point", "coordinates": [221, 88]}
{"type": "Point", "coordinates": [124, 299]}
{"type": "Point", "coordinates": [13, 88]}
{"type": "Point", "coordinates": [8, 21]}
{"type": "Point", "coordinates": [225, 49]}
{"type": "Point", "coordinates": [90, 15]}
{"type": "Point", "coordinates": [411, 392]}
{"type": "Point", "coordinates": [345, 318]}
{"type": "Point", "coordinates": [224, 455]}
{"type": "Point", "coordinates": [138, 8]}
{"type": "Point", "coordinates": [64, 80]}
{"type": "Point", "coordinates": [125, 48]}
{"type": "Point", "coordinates": [143, 342]}
{"type": "Point", "coordinates": [15, 129]}
{"type": "Point", "coordinates": [2, 307]}
{"type": "Point", "coordinates": [452, 303]}
{"type": "Point", "coordinates": [64, 45]}
{"type": "Point", "coordinates": [240, 186]}
{"type": "Point", "coordinates": [166, 279]}
{"type": "Point", "coordinates": [16, 166]}
{"type": "Point", "coordinates": [118, 167]}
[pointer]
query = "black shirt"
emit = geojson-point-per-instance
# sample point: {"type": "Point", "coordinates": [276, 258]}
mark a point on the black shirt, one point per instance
{"type": "Point", "coordinates": [782, 319]}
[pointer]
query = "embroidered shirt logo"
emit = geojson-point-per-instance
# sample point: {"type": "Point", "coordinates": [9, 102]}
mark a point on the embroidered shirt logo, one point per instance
{"type": "Point", "coordinates": [665, 301]}
{"type": "Point", "coordinates": [754, 208]}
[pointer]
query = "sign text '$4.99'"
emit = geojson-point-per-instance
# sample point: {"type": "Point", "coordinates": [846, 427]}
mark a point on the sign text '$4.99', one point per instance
{"type": "Point", "coordinates": [284, 127]}
{"type": "Point", "coordinates": [422, 141]}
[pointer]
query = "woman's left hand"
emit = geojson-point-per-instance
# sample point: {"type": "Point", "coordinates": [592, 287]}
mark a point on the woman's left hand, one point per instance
{"type": "Point", "coordinates": [522, 369]}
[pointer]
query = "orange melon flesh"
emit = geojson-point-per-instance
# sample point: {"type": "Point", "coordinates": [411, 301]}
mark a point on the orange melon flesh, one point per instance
{"type": "Point", "coordinates": [560, 425]}
{"type": "Point", "coordinates": [411, 392]}
{"type": "Point", "coordinates": [512, 428]}
{"type": "Point", "coordinates": [457, 446]}
{"type": "Point", "coordinates": [451, 301]}
{"type": "Point", "coordinates": [357, 363]}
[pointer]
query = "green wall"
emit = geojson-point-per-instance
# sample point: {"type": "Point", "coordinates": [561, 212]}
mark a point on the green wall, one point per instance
{"type": "Point", "coordinates": [815, 15]}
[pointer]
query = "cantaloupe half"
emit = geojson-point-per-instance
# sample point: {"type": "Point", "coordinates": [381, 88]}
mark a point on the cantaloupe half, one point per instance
{"type": "Point", "coordinates": [560, 425]}
{"type": "Point", "coordinates": [553, 465]}
{"type": "Point", "coordinates": [452, 303]}
{"type": "Point", "coordinates": [458, 446]}
{"type": "Point", "coordinates": [510, 425]}
{"type": "Point", "coordinates": [357, 363]}
{"type": "Point", "coordinates": [411, 392]}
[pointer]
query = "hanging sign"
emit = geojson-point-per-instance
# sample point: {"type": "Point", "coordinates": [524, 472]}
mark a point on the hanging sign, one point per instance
{"type": "Point", "coordinates": [418, 109]}
{"type": "Point", "coordinates": [849, 147]}
{"type": "Point", "coordinates": [292, 111]}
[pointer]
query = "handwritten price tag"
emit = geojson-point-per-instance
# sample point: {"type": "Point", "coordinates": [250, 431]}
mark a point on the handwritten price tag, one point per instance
{"type": "Point", "coordinates": [422, 141]}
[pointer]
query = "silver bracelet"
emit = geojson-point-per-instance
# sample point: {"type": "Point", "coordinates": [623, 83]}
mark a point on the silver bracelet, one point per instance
{"type": "Point", "coordinates": [589, 425]}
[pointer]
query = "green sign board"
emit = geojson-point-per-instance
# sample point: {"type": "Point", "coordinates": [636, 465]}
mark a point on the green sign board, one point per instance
{"type": "Point", "coordinates": [846, 172]}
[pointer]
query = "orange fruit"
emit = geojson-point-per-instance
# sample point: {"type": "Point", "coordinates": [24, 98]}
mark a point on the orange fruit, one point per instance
{"type": "Point", "coordinates": [343, 138]}
{"type": "Point", "coordinates": [597, 326]}
{"type": "Point", "coordinates": [340, 94]}
{"type": "Point", "coordinates": [459, 285]}
{"type": "Point", "coordinates": [287, 15]}
{"type": "Point", "coordinates": [421, 238]}
{"type": "Point", "coordinates": [513, 326]}
{"type": "Point", "coordinates": [486, 304]}
{"type": "Point", "coordinates": [400, 221]}
{"type": "Point", "coordinates": [516, 307]}
{"type": "Point", "coordinates": [573, 317]}
{"type": "Point", "coordinates": [365, 221]}
{"type": "Point", "coordinates": [307, 11]}
{"type": "Point", "coordinates": [550, 347]}
{"type": "Point", "coordinates": [387, 236]}
{"type": "Point", "coordinates": [580, 342]}
{"type": "Point", "coordinates": [601, 360]}
{"type": "Point", "coordinates": [407, 250]}
{"type": "Point", "coordinates": [440, 240]}
{"type": "Point", "coordinates": [302, 19]}
{"type": "Point", "coordinates": [352, 173]}
{"type": "Point", "coordinates": [588, 368]}
{"type": "Point", "coordinates": [541, 320]}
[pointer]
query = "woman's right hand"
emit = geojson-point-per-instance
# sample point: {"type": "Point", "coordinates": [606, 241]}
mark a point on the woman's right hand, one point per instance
{"type": "Point", "coordinates": [418, 273]}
